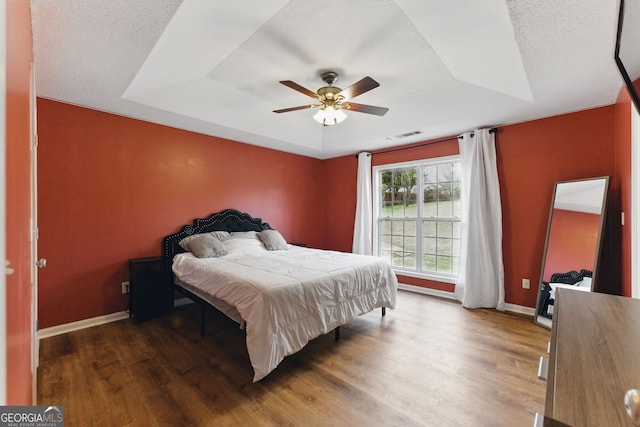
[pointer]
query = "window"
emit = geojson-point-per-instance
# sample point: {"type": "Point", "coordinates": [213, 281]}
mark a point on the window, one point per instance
{"type": "Point", "coordinates": [418, 209]}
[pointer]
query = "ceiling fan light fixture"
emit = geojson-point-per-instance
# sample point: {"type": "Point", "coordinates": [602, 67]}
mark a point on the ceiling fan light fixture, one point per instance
{"type": "Point", "coordinates": [329, 116]}
{"type": "Point", "coordinates": [332, 100]}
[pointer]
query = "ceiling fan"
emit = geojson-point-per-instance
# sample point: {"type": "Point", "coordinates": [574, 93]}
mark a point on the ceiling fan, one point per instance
{"type": "Point", "coordinates": [332, 100]}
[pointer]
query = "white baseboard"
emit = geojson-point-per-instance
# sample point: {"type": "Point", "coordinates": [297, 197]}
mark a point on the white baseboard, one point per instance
{"type": "Point", "coordinates": [426, 291]}
{"type": "Point", "coordinates": [94, 321]}
{"type": "Point", "coordinates": [520, 309]}
{"type": "Point", "coordinates": [81, 324]}
{"type": "Point", "coordinates": [512, 308]}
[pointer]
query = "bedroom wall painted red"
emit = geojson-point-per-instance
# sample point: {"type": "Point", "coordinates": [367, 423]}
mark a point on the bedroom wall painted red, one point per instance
{"type": "Point", "coordinates": [111, 187]}
{"type": "Point", "coordinates": [532, 156]}
{"type": "Point", "coordinates": [339, 177]}
{"type": "Point", "coordinates": [18, 202]}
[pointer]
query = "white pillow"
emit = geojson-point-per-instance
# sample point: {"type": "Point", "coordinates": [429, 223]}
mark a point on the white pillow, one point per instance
{"type": "Point", "coordinates": [243, 235]}
{"type": "Point", "coordinates": [243, 246]}
{"type": "Point", "coordinates": [586, 282]}
{"type": "Point", "coordinates": [221, 235]}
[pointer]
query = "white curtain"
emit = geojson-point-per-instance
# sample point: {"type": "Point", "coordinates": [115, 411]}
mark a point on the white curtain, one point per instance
{"type": "Point", "coordinates": [362, 230]}
{"type": "Point", "coordinates": [480, 281]}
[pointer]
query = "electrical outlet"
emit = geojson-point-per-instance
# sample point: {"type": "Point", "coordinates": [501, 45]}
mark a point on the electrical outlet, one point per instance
{"type": "Point", "coordinates": [125, 287]}
{"type": "Point", "coordinates": [526, 284]}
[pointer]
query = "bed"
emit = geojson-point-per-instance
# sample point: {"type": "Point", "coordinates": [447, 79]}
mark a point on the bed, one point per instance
{"type": "Point", "coordinates": [573, 280]}
{"type": "Point", "coordinates": [283, 295]}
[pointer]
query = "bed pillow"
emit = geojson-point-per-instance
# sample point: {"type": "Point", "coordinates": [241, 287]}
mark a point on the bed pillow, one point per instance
{"type": "Point", "coordinates": [207, 246]}
{"type": "Point", "coordinates": [586, 282]}
{"type": "Point", "coordinates": [243, 235]}
{"type": "Point", "coordinates": [273, 240]}
{"type": "Point", "coordinates": [184, 243]}
{"type": "Point", "coordinates": [241, 247]}
{"type": "Point", "coordinates": [220, 235]}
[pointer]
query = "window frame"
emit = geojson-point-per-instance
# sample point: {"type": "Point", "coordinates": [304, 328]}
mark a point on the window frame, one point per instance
{"type": "Point", "coordinates": [377, 185]}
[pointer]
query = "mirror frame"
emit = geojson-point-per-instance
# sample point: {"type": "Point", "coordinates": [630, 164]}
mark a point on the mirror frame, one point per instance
{"type": "Point", "coordinates": [633, 93]}
{"type": "Point", "coordinates": [603, 210]}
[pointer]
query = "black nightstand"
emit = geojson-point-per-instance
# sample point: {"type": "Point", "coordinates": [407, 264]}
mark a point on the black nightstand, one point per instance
{"type": "Point", "coordinates": [150, 289]}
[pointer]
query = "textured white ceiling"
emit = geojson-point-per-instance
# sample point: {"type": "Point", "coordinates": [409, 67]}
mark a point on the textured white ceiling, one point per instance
{"type": "Point", "coordinates": [213, 67]}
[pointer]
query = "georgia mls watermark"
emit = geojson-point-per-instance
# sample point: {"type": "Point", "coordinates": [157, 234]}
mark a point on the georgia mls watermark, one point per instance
{"type": "Point", "coordinates": [31, 416]}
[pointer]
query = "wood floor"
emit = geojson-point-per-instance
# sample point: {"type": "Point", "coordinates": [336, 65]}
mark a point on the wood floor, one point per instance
{"type": "Point", "coordinates": [430, 362]}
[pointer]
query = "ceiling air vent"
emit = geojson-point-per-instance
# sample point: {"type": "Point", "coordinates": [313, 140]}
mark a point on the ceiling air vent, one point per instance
{"type": "Point", "coordinates": [404, 135]}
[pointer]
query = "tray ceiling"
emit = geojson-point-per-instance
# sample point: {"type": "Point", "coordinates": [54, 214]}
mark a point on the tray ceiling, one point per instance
{"type": "Point", "coordinates": [214, 67]}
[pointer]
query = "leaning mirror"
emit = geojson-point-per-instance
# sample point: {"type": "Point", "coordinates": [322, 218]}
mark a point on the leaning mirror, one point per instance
{"type": "Point", "coordinates": [574, 237]}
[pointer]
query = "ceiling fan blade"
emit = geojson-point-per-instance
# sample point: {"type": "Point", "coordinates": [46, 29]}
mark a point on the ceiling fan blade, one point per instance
{"type": "Point", "coordinates": [362, 108]}
{"type": "Point", "coordinates": [296, 86]}
{"type": "Point", "coordinates": [359, 87]}
{"type": "Point", "coordinates": [302, 107]}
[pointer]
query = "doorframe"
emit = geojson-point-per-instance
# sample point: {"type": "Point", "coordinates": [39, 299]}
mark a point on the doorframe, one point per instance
{"type": "Point", "coordinates": [635, 201]}
{"type": "Point", "coordinates": [35, 343]}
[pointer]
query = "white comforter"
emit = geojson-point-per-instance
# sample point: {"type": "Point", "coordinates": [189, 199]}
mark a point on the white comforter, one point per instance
{"type": "Point", "coordinates": [289, 297]}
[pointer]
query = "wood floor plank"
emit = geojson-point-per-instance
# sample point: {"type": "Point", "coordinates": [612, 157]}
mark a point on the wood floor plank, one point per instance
{"type": "Point", "coordinates": [430, 362]}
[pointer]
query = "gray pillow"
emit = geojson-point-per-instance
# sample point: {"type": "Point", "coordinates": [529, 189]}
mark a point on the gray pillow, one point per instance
{"type": "Point", "coordinates": [273, 240]}
{"type": "Point", "coordinates": [220, 235]}
{"type": "Point", "coordinates": [207, 246]}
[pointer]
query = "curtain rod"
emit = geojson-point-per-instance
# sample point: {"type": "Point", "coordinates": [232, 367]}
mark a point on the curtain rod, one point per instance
{"type": "Point", "coordinates": [492, 130]}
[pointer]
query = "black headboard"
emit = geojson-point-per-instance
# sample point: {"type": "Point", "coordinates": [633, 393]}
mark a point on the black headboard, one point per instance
{"type": "Point", "coordinates": [226, 220]}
